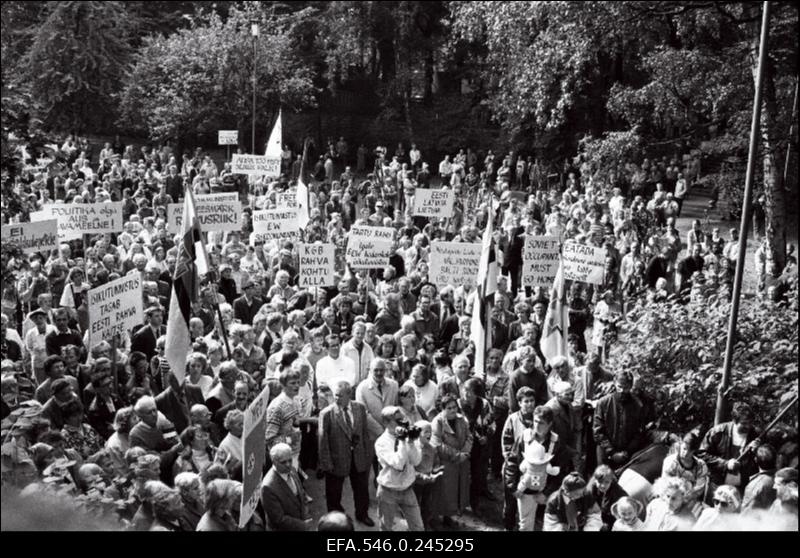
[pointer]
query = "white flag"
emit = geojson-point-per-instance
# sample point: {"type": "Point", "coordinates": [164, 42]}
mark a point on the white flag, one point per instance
{"type": "Point", "coordinates": [275, 143]}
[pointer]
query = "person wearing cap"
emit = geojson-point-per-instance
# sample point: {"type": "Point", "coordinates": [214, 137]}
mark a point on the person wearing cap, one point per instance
{"type": "Point", "coordinates": [572, 507]}
{"type": "Point", "coordinates": [247, 306]}
{"type": "Point", "coordinates": [35, 342]}
{"type": "Point", "coordinates": [145, 338]}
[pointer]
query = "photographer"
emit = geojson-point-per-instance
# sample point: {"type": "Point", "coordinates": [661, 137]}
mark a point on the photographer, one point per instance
{"type": "Point", "coordinates": [398, 456]}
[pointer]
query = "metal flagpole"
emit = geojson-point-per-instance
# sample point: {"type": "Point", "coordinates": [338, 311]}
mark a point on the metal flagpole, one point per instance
{"type": "Point", "coordinates": [721, 410]}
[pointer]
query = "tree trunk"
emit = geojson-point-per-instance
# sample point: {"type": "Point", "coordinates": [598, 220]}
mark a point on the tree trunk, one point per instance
{"type": "Point", "coordinates": [428, 76]}
{"type": "Point", "coordinates": [773, 181]}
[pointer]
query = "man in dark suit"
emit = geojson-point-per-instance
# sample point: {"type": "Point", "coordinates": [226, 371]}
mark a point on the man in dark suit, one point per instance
{"type": "Point", "coordinates": [282, 494]}
{"type": "Point", "coordinates": [344, 451]}
{"type": "Point", "coordinates": [144, 340]}
{"type": "Point", "coordinates": [153, 273]}
{"type": "Point", "coordinates": [511, 244]}
{"type": "Point", "coordinates": [247, 306]}
{"type": "Point", "coordinates": [176, 401]}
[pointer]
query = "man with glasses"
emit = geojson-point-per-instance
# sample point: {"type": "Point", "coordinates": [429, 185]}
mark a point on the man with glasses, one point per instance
{"type": "Point", "coordinates": [398, 457]}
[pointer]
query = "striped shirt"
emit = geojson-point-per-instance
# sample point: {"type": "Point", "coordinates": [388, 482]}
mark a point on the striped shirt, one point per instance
{"type": "Point", "coordinates": [282, 415]}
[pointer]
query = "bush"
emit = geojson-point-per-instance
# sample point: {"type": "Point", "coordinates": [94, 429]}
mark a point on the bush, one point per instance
{"type": "Point", "coordinates": [677, 352]}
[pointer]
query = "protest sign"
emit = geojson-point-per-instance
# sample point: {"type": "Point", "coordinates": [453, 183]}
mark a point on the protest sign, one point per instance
{"type": "Point", "coordinates": [41, 236]}
{"type": "Point", "coordinates": [433, 203]}
{"type": "Point", "coordinates": [213, 215]}
{"type": "Point", "coordinates": [454, 263]}
{"type": "Point", "coordinates": [255, 165]}
{"type": "Point", "coordinates": [227, 137]}
{"type": "Point", "coordinates": [218, 197]}
{"type": "Point", "coordinates": [253, 453]}
{"type": "Point", "coordinates": [275, 224]}
{"type": "Point", "coordinates": [286, 200]}
{"type": "Point", "coordinates": [369, 247]}
{"type": "Point", "coordinates": [584, 263]}
{"type": "Point", "coordinates": [77, 219]}
{"type": "Point", "coordinates": [115, 307]}
{"type": "Point", "coordinates": [540, 258]}
{"type": "Point", "coordinates": [316, 265]}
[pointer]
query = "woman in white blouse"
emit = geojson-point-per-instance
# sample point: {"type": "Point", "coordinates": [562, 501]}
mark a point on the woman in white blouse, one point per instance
{"type": "Point", "coordinates": [424, 388]}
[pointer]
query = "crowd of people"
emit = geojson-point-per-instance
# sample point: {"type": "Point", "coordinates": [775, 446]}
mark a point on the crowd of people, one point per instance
{"type": "Point", "coordinates": [372, 379]}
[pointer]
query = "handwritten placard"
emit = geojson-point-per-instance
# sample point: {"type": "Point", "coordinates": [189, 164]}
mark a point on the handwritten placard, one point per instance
{"type": "Point", "coordinates": [316, 265]}
{"type": "Point", "coordinates": [255, 165]}
{"type": "Point", "coordinates": [227, 137]}
{"type": "Point", "coordinates": [115, 307]}
{"type": "Point", "coordinates": [454, 263]}
{"type": "Point", "coordinates": [433, 203]}
{"type": "Point", "coordinates": [584, 263]}
{"type": "Point", "coordinates": [215, 215]}
{"type": "Point", "coordinates": [369, 247]}
{"type": "Point", "coordinates": [77, 219]}
{"type": "Point", "coordinates": [275, 224]}
{"type": "Point", "coordinates": [540, 257]}
{"type": "Point", "coordinates": [41, 236]}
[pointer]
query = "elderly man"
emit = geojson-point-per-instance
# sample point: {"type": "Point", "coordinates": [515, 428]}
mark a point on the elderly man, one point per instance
{"type": "Point", "coordinates": [282, 494]}
{"type": "Point", "coordinates": [146, 433]}
{"type": "Point", "coordinates": [398, 457]}
{"type": "Point", "coordinates": [344, 451]}
{"type": "Point", "coordinates": [567, 421]}
{"type": "Point", "coordinates": [201, 416]}
{"type": "Point", "coordinates": [35, 342]}
{"type": "Point", "coordinates": [388, 319]}
{"type": "Point", "coordinates": [222, 394]}
{"type": "Point", "coordinates": [376, 393]}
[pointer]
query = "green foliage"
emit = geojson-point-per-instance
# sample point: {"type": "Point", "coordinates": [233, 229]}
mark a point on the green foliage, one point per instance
{"type": "Point", "coordinates": [677, 352]}
{"type": "Point", "coordinates": [200, 79]}
{"type": "Point", "coordinates": [612, 148]}
{"type": "Point", "coordinates": [76, 60]}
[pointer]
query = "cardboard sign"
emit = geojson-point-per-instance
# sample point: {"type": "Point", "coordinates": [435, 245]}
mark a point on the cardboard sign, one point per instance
{"type": "Point", "coordinates": [227, 137]}
{"type": "Point", "coordinates": [275, 224]}
{"type": "Point", "coordinates": [286, 200]}
{"type": "Point", "coordinates": [316, 265]}
{"type": "Point", "coordinates": [255, 165]}
{"type": "Point", "coordinates": [584, 263]}
{"type": "Point", "coordinates": [254, 451]}
{"type": "Point", "coordinates": [115, 307]}
{"type": "Point", "coordinates": [369, 247]}
{"type": "Point", "coordinates": [540, 258]}
{"type": "Point", "coordinates": [454, 263]}
{"type": "Point", "coordinates": [77, 219]}
{"type": "Point", "coordinates": [224, 216]}
{"type": "Point", "coordinates": [41, 236]}
{"type": "Point", "coordinates": [433, 203]}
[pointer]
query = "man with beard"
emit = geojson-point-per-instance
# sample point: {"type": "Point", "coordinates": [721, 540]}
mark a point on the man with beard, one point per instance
{"type": "Point", "coordinates": [619, 423]}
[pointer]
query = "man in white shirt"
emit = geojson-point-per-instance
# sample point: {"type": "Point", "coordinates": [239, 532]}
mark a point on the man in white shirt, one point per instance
{"type": "Point", "coordinates": [336, 367]}
{"type": "Point", "coordinates": [35, 342]}
{"type": "Point", "coordinates": [398, 456]}
{"type": "Point", "coordinates": [359, 352]}
{"type": "Point", "coordinates": [445, 169]}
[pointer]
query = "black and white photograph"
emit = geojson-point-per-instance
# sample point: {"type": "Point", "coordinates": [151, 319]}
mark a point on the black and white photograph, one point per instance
{"type": "Point", "coordinates": [422, 270]}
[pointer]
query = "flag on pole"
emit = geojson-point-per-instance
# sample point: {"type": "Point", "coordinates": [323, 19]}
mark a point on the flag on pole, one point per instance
{"type": "Point", "coordinates": [486, 286]}
{"type": "Point", "coordinates": [556, 322]}
{"type": "Point", "coordinates": [303, 202]}
{"type": "Point", "coordinates": [185, 288]}
{"type": "Point", "coordinates": [275, 143]}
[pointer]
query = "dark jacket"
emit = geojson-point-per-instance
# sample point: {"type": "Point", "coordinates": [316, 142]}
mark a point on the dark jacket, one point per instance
{"type": "Point", "coordinates": [244, 312]}
{"type": "Point", "coordinates": [606, 500]}
{"type": "Point", "coordinates": [717, 448]}
{"type": "Point", "coordinates": [562, 458]}
{"type": "Point", "coordinates": [144, 340]}
{"type": "Point", "coordinates": [177, 412]}
{"type": "Point", "coordinates": [342, 448]}
{"type": "Point", "coordinates": [536, 380]}
{"type": "Point", "coordinates": [619, 426]}
{"type": "Point", "coordinates": [285, 511]}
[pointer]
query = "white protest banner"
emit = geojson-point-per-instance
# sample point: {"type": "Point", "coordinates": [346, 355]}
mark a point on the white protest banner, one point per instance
{"type": "Point", "coordinates": [454, 263]}
{"type": "Point", "coordinates": [41, 236]}
{"type": "Point", "coordinates": [584, 263]}
{"type": "Point", "coordinates": [275, 224]}
{"type": "Point", "coordinates": [254, 442]}
{"type": "Point", "coordinates": [77, 219]}
{"type": "Point", "coordinates": [227, 137]}
{"type": "Point", "coordinates": [540, 261]}
{"type": "Point", "coordinates": [218, 197]}
{"type": "Point", "coordinates": [213, 215]}
{"type": "Point", "coordinates": [255, 165]}
{"type": "Point", "coordinates": [286, 200]}
{"type": "Point", "coordinates": [115, 307]}
{"type": "Point", "coordinates": [369, 247]}
{"type": "Point", "coordinates": [316, 265]}
{"type": "Point", "coordinates": [433, 203]}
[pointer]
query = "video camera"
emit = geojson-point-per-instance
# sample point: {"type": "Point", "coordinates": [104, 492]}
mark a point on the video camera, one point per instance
{"type": "Point", "coordinates": [406, 430]}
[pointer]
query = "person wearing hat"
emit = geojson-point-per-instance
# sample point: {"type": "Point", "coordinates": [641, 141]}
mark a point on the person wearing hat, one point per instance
{"type": "Point", "coordinates": [144, 339]}
{"type": "Point", "coordinates": [572, 507]}
{"type": "Point", "coordinates": [35, 342]}
{"type": "Point", "coordinates": [247, 306]}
